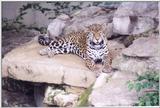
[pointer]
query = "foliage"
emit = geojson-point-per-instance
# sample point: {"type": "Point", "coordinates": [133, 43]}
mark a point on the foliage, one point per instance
{"type": "Point", "coordinates": [52, 8]}
{"type": "Point", "coordinates": [83, 100]}
{"type": "Point", "coordinates": [16, 24]}
{"type": "Point", "coordinates": [147, 86]}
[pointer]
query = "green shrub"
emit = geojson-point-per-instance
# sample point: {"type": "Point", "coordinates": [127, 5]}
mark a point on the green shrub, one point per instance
{"type": "Point", "coordinates": [147, 86]}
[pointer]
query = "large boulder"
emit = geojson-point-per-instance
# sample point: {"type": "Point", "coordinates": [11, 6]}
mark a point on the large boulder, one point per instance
{"type": "Point", "coordinates": [143, 9]}
{"type": "Point", "coordinates": [86, 12]}
{"type": "Point", "coordinates": [142, 56]}
{"type": "Point", "coordinates": [90, 15]}
{"type": "Point", "coordinates": [82, 23]}
{"type": "Point", "coordinates": [114, 92]}
{"type": "Point", "coordinates": [55, 28]}
{"type": "Point", "coordinates": [134, 18]}
{"type": "Point", "coordinates": [144, 47]}
{"type": "Point", "coordinates": [25, 63]}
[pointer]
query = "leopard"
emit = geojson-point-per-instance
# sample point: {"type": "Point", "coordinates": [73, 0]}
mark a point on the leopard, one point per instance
{"type": "Point", "coordinates": [90, 44]}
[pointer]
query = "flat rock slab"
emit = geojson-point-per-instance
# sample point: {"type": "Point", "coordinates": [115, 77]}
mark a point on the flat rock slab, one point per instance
{"type": "Point", "coordinates": [25, 63]}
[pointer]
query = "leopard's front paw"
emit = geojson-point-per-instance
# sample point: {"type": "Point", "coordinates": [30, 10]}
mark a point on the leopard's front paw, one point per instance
{"type": "Point", "coordinates": [43, 52]}
{"type": "Point", "coordinates": [50, 54]}
{"type": "Point", "coordinates": [107, 70]}
{"type": "Point", "coordinates": [46, 51]}
{"type": "Point", "coordinates": [92, 68]}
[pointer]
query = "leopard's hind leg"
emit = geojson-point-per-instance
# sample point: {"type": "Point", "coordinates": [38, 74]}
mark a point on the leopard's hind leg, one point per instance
{"type": "Point", "coordinates": [53, 48]}
{"type": "Point", "coordinates": [48, 51]}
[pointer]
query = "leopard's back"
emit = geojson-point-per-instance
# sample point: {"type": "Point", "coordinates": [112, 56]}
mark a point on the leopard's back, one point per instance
{"type": "Point", "coordinates": [78, 38]}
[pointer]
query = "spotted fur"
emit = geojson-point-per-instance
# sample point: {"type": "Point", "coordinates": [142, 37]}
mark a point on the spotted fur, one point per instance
{"type": "Point", "coordinates": [89, 44]}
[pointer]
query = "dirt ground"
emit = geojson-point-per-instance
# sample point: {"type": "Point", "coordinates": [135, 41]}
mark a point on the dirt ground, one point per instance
{"type": "Point", "coordinates": [13, 94]}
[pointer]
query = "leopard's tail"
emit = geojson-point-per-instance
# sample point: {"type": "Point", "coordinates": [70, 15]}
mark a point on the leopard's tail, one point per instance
{"type": "Point", "coordinates": [44, 40]}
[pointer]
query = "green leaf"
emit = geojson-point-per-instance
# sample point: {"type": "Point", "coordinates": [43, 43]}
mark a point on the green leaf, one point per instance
{"type": "Point", "coordinates": [130, 86]}
{"type": "Point", "coordinates": [83, 100]}
{"type": "Point", "coordinates": [138, 87]}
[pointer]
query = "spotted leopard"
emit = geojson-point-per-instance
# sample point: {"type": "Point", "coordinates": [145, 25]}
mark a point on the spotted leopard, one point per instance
{"type": "Point", "coordinates": [90, 44]}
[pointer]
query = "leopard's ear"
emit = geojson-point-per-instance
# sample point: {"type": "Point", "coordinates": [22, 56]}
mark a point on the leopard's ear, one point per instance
{"type": "Point", "coordinates": [109, 30]}
{"type": "Point", "coordinates": [86, 29]}
{"type": "Point", "coordinates": [104, 26]}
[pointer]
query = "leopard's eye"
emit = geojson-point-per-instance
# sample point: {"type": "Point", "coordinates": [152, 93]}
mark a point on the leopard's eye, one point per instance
{"type": "Point", "coordinates": [90, 34]}
{"type": "Point", "coordinates": [101, 34]}
{"type": "Point", "coordinates": [101, 43]}
{"type": "Point", "coordinates": [92, 43]}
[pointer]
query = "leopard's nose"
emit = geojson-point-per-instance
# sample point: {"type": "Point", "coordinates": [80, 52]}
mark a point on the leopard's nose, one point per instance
{"type": "Point", "coordinates": [98, 61]}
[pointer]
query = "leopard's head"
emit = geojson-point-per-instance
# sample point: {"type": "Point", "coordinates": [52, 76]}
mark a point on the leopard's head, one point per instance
{"type": "Point", "coordinates": [96, 35]}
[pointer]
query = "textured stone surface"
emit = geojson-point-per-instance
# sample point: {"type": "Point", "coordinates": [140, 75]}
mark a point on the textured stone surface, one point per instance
{"type": "Point", "coordinates": [55, 28]}
{"type": "Point", "coordinates": [59, 97]}
{"type": "Point", "coordinates": [129, 65]}
{"type": "Point", "coordinates": [144, 47]}
{"type": "Point", "coordinates": [86, 12]}
{"type": "Point", "coordinates": [115, 47]}
{"type": "Point", "coordinates": [145, 9]}
{"type": "Point", "coordinates": [136, 65]}
{"type": "Point", "coordinates": [80, 20]}
{"type": "Point", "coordinates": [74, 90]}
{"type": "Point", "coordinates": [24, 63]}
{"type": "Point", "coordinates": [121, 25]}
{"type": "Point", "coordinates": [135, 18]}
{"type": "Point", "coordinates": [114, 92]}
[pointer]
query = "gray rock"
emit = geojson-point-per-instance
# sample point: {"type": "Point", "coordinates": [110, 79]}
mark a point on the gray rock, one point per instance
{"type": "Point", "coordinates": [81, 23]}
{"type": "Point", "coordinates": [143, 9]}
{"type": "Point", "coordinates": [142, 24]}
{"type": "Point", "coordinates": [114, 92]}
{"type": "Point", "coordinates": [86, 12]}
{"type": "Point", "coordinates": [88, 16]}
{"type": "Point", "coordinates": [59, 97]}
{"type": "Point", "coordinates": [55, 28]}
{"type": "Point", "coordinates": [115, 47]}
{"type": "Point", "coordinates": [136, 65]}
{"type": "Point", "coordinates": [130, 65]}
{"type": "Point", "coordinates": [134, 18]}
{"type": "Point", "coordinates": [144, 47]}
{"type": "Point", "coordinates": [121, 25]}
{"type": "Point", "coordinates": [154, 64]}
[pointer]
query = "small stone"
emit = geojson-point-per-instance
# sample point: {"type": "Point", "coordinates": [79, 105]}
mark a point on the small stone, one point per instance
{"type": "Point", "coordinates": [59, 97]}
{"type": "Point", "coordinates": [66, 100]}
{"type": "Point", "coordinates": [74, 90]}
